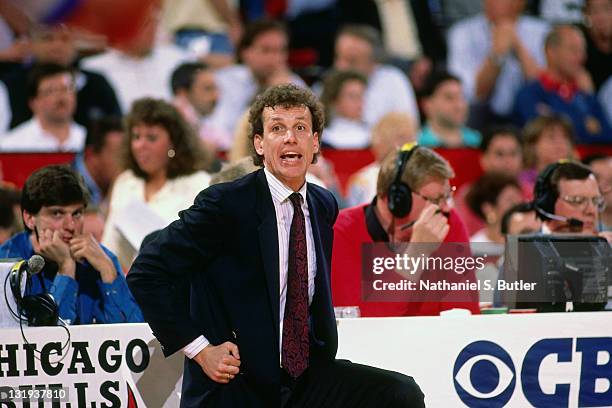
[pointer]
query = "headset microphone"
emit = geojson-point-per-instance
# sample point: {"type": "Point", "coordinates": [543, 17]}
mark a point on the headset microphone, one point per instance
{"type": "Point", "coordinates": [571, 222]}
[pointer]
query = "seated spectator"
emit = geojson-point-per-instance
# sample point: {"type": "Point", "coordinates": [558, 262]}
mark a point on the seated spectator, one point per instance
{"type": "Point", "coordinates": [489, 198]}
{"type": "Point", "coordinates": [139, 68]}
{"type": "Point", "coordinates": [57, 45]}
{"type": "Point", "coordinates": [10, 222]}
{"type": "Point", "coordinates": [52, 98]}
{"type": "Point", "coordinates": [163, 161]}
{"type": "Point", "coordinates": [605, 98]}
{"type": "Point", "coordinates": [565, 88]}
{"type": "Point", "coordinates": [495, 52]}
{"type": "Point", "coordinates": [99, 164]}
{"type": "Point", "coordinates": [196, 94]}
{"type": "Point", "coordinates": [359, 48]}
{"type": "Point", "coordinates": [263, 54]}
{"type": "Point", "coordinates": [342, 98]}
{"type": "Point", "coordinates": [546, 140]}
{"type": "Point", "coordinates": [93, 222]}
{"type": "Point", "coordinates": [446, 110]}
{"type": "Point", "coordinates": [601, 166]}
{"type": "Point", "coordinates": [83, 277]}
{"type": "Point", "coordinates": [598, 34]}
{"type": "Point", "coordinates": [392, 131]}
{"type": "Point", "coordinates": [429, 220]}
{"type": "Point", "coordinates": [234, 171]}
{"type": "Point", "coordinates": [501, 152]}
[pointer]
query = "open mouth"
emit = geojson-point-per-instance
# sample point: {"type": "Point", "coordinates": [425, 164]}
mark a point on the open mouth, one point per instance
{"type": "Point", "coordinates": [291, 157]}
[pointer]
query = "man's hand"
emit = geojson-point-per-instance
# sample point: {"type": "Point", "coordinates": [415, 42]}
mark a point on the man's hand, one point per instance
{"type": "Point", "coordinates": [51, 246]}
{"type": "Point", "coordinates": [220, 363]}
{"type": "Point", "coordinates": [503, 37]}
{"type": "Point", "coordinates": [607, 235]}
{"type": "Point", "coordinates": [86, 247]}
{"type": "Point", "coordinates": [431, 226]}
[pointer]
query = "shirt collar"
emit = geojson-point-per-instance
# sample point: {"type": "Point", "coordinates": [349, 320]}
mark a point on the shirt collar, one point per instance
{"type": "Point", "coordinates": [280, 192]}
{"type": "Point", "coordinates": [566, 90]}
{"type": "Point", "coordinates": [375, 228]}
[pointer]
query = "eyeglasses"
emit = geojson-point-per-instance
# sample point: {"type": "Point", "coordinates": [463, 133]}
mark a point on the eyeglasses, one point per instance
{"type": "Point", "coordinates": [444, 198]}
{"type": "Point", "coordinates": [581, 202]}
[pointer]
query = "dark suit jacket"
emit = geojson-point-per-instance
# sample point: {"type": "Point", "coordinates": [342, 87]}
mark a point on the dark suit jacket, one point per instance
{"type": "Point", "coordinates": [224, 249]}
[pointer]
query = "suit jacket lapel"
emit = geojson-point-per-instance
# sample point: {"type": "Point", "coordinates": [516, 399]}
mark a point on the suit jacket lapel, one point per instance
{"type": "Point", "coordinates": [321, 281]}
{"type": "Point", "coordinates": [268, 241]}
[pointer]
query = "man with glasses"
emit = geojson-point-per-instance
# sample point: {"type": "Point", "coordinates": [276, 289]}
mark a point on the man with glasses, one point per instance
{"type": "Point", "coordinates": [578, 201]}
{"type": "Point", "coordinates": [52, 98]}
{"type": "Point", "coordinates": [83, 277]}
{"type": "Point", "coordinates": [431, 220]}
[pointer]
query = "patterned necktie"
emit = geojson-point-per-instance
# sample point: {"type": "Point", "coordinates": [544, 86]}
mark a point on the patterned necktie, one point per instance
{"type": "Point", "coordinates": [296, 341]}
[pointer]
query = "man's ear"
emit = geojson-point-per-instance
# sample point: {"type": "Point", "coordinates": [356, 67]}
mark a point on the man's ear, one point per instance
{"type": "Point", "coordinates": [317, 142]}
{"type": "Point", "coordinates": [28, 219]}
{"type": "Point", "coordinates": [258, 143]}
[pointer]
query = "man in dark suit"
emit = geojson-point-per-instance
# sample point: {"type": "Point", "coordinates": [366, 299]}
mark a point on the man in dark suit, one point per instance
{"type": "Point", "coordinates": [254, 256]}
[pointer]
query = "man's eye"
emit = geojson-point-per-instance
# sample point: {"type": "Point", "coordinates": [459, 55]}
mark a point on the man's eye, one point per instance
{"type": "Point", "coordinates": [276, 129]}
{"type": "Point", "coordinates": [301, 128]}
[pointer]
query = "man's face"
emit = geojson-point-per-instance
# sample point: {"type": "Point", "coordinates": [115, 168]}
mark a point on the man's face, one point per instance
{"type": "Point", "coordinates": [54, 45]}
{"type": "Point", "coordinates": [599, 15]}
{"type": "Point", "coordinates": [447, 105]}
{"type": "Point", "coordinates": [354, 53]}
{"type": "Point", "coordinates": [267, 54]}
{"type": "Point", "coordinates": [108, 158]}
{"type": "Point", "coordinates": [288, 143]}
{"type": "Point", "coordinates": [571, 191]}
{"type": "Point", "coordinates": [67, 219]}
{"type": "Point", "coordinates": [55, 100]}
{"type": "Point", "coordinates": [603, 171]}
{"type": "Point", "coordinates": [502, 156]}
{"type": "Point", "coordinates": [524, 223]}
{"type": "Point", "coordinates": [433, 190]}
{"type": "Point", "coordinates": [349, 103]}
{"type": "Point", "coordinates": [204, 93]}
{"type": "Point", "coordinates": [569, 55]}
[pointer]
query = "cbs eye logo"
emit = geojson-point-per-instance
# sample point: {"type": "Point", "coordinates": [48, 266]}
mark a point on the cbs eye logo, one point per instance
{"type": "Point", "coordinates": [484, 375]}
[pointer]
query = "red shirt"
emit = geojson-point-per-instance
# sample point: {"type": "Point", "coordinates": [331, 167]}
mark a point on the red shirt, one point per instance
{"type": "Point", "coordinates": [350, 232]}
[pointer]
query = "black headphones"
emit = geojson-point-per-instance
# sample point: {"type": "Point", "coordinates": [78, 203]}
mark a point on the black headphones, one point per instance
{"type": "Point", "coordinates": [41, 309]}
{"type": "Point", "coordinates": [399, 195]}
{"type": "Point", "coordinates": [544, 196]}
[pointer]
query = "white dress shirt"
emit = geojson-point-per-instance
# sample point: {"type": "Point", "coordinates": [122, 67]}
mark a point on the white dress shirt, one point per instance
{"type": "Point", "coordinates": [284, 215]}
{"type": "Point", "coordinates": [31, 137]}
{"type": "Point", "coordinates": [388, 90]}
{"type": "Point", "coordinates": [343, 133]}
{"type": "Point", "coordinates": [469, 44]}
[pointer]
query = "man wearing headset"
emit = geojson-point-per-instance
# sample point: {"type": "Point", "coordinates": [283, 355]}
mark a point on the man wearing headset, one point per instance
{"type": "Point", "coordinates": [413, 204]}
{"type": "Point", "coordinates": [84, 279]}
{"type": "Point", "coordinates": [568, 200]}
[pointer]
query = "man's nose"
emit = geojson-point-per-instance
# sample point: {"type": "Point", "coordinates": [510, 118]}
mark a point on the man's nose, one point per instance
{"type": "Point", "coordinates": [290, 137]}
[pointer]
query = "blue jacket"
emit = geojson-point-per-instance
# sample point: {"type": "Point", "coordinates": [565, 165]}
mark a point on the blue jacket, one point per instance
{"type": "Point", "coordinates": [583, 110]}
{"type": "Point", "coordinates": [84, 300]}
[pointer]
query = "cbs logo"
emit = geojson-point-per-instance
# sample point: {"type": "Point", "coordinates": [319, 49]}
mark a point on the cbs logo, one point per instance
{"type": "Point", "coordinates": [484, 375]}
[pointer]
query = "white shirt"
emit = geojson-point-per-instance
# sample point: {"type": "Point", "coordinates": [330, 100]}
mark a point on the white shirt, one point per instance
{"type": "Point", "coordinates": [344, 133]}
{"type": "Point", "coordinates": [469, 44]}
{"type": "Point", "coordinates": [388, 91]}
{"type": "Point", "coordinates": [30, 137]}
{"type": "Point", "coordinates": [284, 215]}
{"type": "Point", "coordinates": [605, 98]}
{"type": "Point", "coordinates": [175, 195]}
{"type": "Point", "coordinates": [237, 88]}
{"type": "Point", "coordinates": [135, 78]}
{"type": "Point", "coordinates": [5, 109]}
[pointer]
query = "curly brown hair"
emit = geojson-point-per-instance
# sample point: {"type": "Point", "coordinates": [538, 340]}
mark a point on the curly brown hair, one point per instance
{"type": "Point", "coordinates": [286, 96]}
{"type": "Point", "coordinates": [189, 154]}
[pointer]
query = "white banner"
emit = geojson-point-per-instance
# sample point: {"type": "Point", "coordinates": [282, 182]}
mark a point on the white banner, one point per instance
{"type": "Point", "coordinates": [553, 360]}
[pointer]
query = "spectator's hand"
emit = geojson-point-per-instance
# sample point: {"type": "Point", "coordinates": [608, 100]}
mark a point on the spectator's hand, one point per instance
{"type": "Point", "coordinates": [419, 71]}
{"type": "Point", "coordinates": [503, 37]}
{"type": "Point", "coordinates": [51, 246]}
{"type": "Point", "coordinates": [220, 363]}
{"type": "Point", "coordinates": [85, 247]}
{"type": "Point", "coordinates": [431, 226]}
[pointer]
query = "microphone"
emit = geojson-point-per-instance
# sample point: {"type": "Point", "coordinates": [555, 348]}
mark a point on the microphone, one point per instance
{"type": "Point", "coordinates": [571, 222]}
{"type": "Point", "coordinates": [32, 266]}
